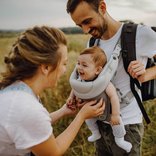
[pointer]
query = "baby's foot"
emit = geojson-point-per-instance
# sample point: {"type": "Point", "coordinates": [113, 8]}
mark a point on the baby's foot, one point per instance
{"type": "Point", "coordinates": [95, 136]}
{"type": "Point", "coordinates": [127, 146]}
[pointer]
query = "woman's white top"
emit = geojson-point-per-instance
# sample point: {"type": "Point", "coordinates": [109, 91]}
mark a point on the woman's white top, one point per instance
{"type": "Point", "coordinates": [24, 122]}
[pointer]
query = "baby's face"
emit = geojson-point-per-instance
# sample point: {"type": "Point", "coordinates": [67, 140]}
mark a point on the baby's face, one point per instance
{"type": "Point", "coordinates": [86, 67]}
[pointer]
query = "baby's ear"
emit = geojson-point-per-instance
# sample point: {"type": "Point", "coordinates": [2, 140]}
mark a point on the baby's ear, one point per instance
{"type": "Point", "coordinates": [99, 69]}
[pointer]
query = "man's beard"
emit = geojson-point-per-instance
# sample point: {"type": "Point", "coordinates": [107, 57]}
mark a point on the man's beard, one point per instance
{"type": "Point", "coordinates": [102, 26]}
{"type": "Point", "coordinates": [98, 32]}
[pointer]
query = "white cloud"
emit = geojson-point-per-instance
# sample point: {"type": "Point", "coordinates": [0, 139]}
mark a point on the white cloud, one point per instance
{"type": "Point", "coordinates": [140, 11]}
{"type": "Point", "coordinates": [18, 14]}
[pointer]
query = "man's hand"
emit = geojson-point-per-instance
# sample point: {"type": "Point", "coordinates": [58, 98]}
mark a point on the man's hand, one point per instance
{"type": "Point", "coordinates": [136, 69]}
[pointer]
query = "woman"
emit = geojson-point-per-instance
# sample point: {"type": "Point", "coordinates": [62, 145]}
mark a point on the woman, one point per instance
{"type": "Point", "coordinates": [36, 62]}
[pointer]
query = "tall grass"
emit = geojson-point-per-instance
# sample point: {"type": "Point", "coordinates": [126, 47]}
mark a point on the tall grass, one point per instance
{"type": "Point", "coordinates": [53, 100]}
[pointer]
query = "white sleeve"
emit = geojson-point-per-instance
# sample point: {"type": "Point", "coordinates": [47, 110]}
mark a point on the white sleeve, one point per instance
{"type": "Point", "coordinates": [30, 123]}
{"type": "Point", "coordinates": [145, 41]}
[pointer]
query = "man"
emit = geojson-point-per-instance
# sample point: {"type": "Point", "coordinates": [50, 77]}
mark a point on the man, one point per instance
{"type": "Point", "coordinates": [93, 18]}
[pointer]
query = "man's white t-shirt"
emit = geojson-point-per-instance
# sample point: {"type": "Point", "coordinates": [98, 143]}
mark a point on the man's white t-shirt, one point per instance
{"type": "Point", "coordinates": [145, 47]}
{"type": "Point", "coordinates": [24, 122]}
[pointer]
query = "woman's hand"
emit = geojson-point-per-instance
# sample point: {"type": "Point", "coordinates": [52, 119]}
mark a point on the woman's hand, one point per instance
{"type": "Point", "coordinates": [67, 110]}
{"type": "Point", "coordinates": [136, 69]}
{"type": "Point", "coordinates": [92, 109]}
{"type": "Point", "coordinates": [63, 111]}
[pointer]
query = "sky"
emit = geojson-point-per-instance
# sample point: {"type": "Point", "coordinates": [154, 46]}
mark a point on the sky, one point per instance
{"type": "Point", "coordinates": [21, 14]}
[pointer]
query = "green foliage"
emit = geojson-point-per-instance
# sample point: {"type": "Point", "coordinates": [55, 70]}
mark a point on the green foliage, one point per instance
{"type": "Point", "coordinates": [72, 30]}
{"type": "Point", "coordinates": [149, 140]}
{"type": "Point", "coordinates": [5, 45]}
{"type": "Point", "coordinates": [8, 33]}
{"type": "Point", "coordinates": [77, 42]}
{"type": "Point", "coordinates": [55, 99]}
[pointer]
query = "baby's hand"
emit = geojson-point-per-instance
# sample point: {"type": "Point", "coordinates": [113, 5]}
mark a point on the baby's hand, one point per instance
{"type": "Point", "coordinates": [71, 102]}
{"type": "Point", "coordinates": [115, 119]}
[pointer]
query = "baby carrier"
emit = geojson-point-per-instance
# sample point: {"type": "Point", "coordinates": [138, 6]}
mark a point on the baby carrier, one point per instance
{"type": "Point", "coordinates": [95, 89]}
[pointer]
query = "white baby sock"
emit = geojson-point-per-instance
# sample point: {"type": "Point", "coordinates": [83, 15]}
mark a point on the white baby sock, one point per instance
{"type": "Point", "coordinates": [127, 146]}
{"type": "Point", "coordinates": [95, 136]}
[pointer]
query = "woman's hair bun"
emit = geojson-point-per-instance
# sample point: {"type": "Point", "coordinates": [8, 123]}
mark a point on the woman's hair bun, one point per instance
{"type": "Point", "coordinates": [7, 60]}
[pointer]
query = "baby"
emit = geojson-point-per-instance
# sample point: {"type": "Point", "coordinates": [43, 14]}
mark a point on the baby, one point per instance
{"type": "Point", "coordinates": [89, 65]}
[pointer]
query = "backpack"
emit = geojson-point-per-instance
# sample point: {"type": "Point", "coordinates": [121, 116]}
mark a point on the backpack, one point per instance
{"type": "Point", "coordinates": [148, 89]}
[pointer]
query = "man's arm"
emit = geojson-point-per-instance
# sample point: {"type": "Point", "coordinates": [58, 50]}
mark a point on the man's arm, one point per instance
{"type": "Point", "coordinates": [137, 70]}
{"type": "Point", "coordinates": [150, 74]}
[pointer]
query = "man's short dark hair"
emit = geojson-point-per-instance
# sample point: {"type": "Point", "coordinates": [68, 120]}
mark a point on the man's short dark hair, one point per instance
{"type": "Point", "coordinates": [72, 4]}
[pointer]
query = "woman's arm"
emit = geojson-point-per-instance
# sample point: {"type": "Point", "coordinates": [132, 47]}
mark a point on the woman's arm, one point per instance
{"type": "Point", "coordinates": [60, 113]}
{"type": "Point", "coordinates": [112, 94]}
{"type": "Point", "coordinates": [57, 146]}
{"type": "Point", "coordinates": [68, 109]}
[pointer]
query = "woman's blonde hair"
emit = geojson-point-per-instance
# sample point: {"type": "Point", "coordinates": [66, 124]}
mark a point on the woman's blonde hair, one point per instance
{"type": "Point", "coordinates": [34, 47]}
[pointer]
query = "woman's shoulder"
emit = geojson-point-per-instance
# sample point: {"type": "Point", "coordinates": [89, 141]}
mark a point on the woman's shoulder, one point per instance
{"type": "Point", "coordinates": [28, 114]}
{"type": "Point", "coordinates": [16, 96]}
{"type": "Point", "coordinates": [18, 101]}
{"type": "Point", "coordinates": [27, 102]}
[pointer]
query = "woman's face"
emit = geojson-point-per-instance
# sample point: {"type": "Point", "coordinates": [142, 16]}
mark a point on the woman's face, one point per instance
{"type": "Point", "coordinates": [55, 75]}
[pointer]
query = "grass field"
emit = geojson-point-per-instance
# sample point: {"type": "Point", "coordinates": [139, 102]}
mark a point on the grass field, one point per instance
{"type": "Point", "coordinates": [53, 100]}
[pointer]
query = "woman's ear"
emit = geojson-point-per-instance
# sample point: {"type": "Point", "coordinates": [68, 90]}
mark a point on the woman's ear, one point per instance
{"type": "Point", "coordinates": [45, 69]}
{"type": "Point", "coordinates": [99, 69]}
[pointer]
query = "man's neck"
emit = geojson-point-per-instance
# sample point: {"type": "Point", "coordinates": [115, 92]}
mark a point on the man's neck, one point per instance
{"type": "Point", "coordinates": [112, 29]}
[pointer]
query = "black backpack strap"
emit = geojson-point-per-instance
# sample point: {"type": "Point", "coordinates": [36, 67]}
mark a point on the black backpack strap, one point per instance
{"type": "Point", "coordinates": [139, 101]}
{"type": "Point", "coordinates": [128, 37]}
{"type": "Point", "coordinates": [128, 43]}
{"type": "Point", "coordinates": [154, 28]}
{"type": "Point", "coordinates": [148, 88]}
{"type": "Point", "coordinates": [92, 41]}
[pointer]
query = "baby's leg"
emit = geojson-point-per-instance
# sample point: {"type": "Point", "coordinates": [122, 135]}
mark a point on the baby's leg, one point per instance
{"type": "Point", "coordinates": [93, 127]}
{"type": "Point", "coordinates": [119, 132]}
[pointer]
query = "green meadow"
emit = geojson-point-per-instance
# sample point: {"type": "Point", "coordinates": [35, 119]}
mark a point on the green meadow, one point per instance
{"type": "Point", "coordinates": [52, 100]}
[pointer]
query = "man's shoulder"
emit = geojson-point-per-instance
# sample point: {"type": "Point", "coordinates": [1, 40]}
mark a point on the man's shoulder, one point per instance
{"type": "Point", "coordinates": [145, 30]}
